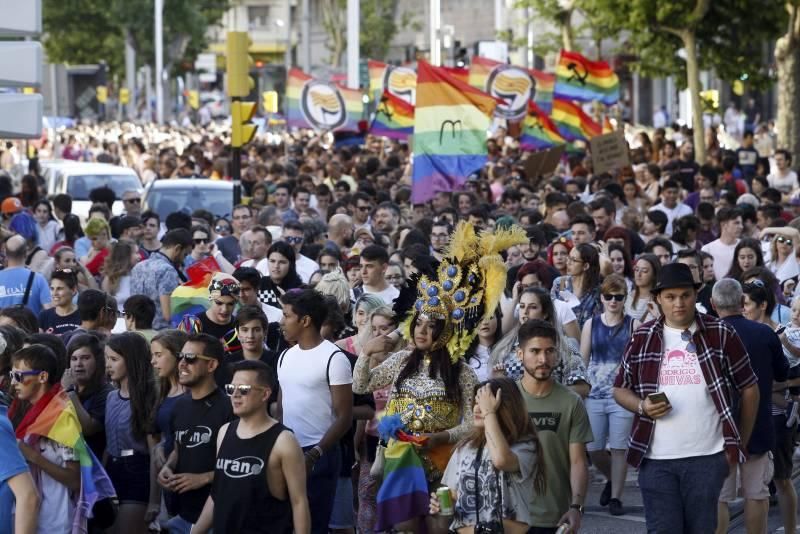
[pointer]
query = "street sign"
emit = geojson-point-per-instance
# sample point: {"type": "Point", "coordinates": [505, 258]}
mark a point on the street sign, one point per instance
{"type": "Point", "coordinates": [21, 116]}
{"type": "Point", "coordinates": [206, 62]}
{"type": "Point", "coordinates": [20, 64]}
{"type": "Point", "coordinates": [20, 19]}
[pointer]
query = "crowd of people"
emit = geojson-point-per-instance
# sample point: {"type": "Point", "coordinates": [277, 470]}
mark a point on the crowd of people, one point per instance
{"type": "Point", "coordinates": [517, 333]}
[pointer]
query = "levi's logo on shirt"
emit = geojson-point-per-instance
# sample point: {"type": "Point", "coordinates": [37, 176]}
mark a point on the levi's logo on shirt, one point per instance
{"type": "Point", "coordinates": [546, 420]}
{"type": "Point", "coordinates": [194, 437]}
{"type": "Point", "coordinates": [679, 368]}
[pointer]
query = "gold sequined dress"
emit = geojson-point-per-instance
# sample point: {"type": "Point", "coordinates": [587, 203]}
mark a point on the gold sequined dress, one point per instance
{"type": "Point", "coordinates": [421, 403]}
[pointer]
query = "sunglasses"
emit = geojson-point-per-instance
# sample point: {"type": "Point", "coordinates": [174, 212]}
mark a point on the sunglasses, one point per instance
{"type": "Point", "coordinates": [19, 376]}
{"type": "Point", "coordinates": [363, 208]}
{"type": "Point", "coordinates": [219, 228]}
{"type": "Point", "coordinates": [686, 335]}
{"type": "Point", "coordinates": [242, 389]}
{"type": "Point", "coordinates": [201, 241]}
{"type": "Point", "coordinates": [293, 240]}
{"type": "Point", "coordinates": [781, 239]}
{"type": "Point", "coordinates": [133, 200]}
{"type": "Point", "coordinates": [191, 357]}
{"type": "Point", "coordinates": [608, 297]}
{"type": "Point", "coordinates": [755, 283]}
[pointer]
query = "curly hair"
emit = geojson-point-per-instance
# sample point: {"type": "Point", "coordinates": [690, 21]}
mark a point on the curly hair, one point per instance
{"type": "Point", "coordinates": [118, 264]}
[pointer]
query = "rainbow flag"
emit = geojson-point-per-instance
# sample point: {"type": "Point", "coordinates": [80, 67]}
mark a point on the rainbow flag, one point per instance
{"type": "Point", "coordinates": [479, 70]}
{"type": "Point", "coordinates": [545, 83]}
{"type": "Point", "coordinates": [538, 131]}
{"type": "Point", "coordinates": [394, 118]}
{"type": "Point", "coordinates": [572, 122]}
{"type": "Point", "coordinates": [403, 494]}
{"type": "Point", "coordinates": [320, 105]}
{"type": "Point", "coordinates": [458, 73]}
{"type": "Point", "coordinates": [376, 71]}
{"type": "Point", "coordinates": [578, 78]}
{"type": "Point", "coordinates": [191, 297]}
{"type": "Point", "coordinates": [450, 127]}
{"type": "Point", "coordinates": [59, 422]}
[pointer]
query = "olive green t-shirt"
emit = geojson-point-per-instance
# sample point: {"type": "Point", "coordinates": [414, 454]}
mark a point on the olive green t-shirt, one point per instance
{"type": "Point", "coordinates": [560, 419]}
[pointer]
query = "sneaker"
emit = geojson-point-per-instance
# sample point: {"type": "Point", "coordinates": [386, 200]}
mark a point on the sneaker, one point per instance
{"type": "Point", "coordinates": [605, 497]}
{"type": "Point", "coordinates": [792, 413]}
{"type": "Point", "coordinates": [615, 507]}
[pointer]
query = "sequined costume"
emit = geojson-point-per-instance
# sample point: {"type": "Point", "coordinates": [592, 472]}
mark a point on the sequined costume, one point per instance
{"type": "Point", "coordinates": [421, 402]}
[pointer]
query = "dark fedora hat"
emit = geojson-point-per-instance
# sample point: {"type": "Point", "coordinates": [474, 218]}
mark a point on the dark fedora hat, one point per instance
{"type": "Point", "coordinates": [674, 275]}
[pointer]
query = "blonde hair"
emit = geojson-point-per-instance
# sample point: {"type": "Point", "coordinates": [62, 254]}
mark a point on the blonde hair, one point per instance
{"type": "Point", "coordinates": [335, 284]}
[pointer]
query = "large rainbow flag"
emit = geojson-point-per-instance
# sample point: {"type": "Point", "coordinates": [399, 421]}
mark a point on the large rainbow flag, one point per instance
{"type": "Point", "coordinates": [572, 122]}
{"type": "Point", "coordinates": [320, 105]}
{"type": "Point", "coordinates": [403, 494]}
{"type": "Point", "coordinates": [394, 118]}
{"type": "Point", "coordinates": [538, 131]}
{"type": "Point", "coordinates": [376, 71]}
{"type": "Point", "coordinates": [191, 297]}
{"type": "Point", "coordinates": [458, 73]}
{"type": "Point", "coordinates": [581, 79]}
{"type": "Point", "coordinates": [479, 70]}
{"type": "Point", "coordinates": [545, 84]}
{"type": "Point", "coordinates": [59, 422]}
{"type": "Point", "coordinates": [450, 127]}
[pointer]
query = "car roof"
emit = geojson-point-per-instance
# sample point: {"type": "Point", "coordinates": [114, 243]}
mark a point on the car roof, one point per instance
{"type": "Point", "coordinates": [182, 183]}
{"type": "Point", "coordinates": [76, 167]}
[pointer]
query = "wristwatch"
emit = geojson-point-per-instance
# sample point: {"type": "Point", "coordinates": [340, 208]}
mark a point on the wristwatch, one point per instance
{"type": "Point", "coordinates": [578, 507]}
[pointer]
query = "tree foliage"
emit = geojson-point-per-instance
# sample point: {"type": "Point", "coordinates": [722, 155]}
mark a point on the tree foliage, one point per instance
{"type": "Point", "coordinates": [89, 31]}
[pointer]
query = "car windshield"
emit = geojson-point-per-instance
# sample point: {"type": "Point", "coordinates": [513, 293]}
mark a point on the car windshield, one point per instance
{"type": "Point", "coordinates": [188, 199]}
{"type": "Point", "coordinates": [79, 186]}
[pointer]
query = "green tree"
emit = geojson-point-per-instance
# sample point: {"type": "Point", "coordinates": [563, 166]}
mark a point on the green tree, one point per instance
{"type": "Point", "coordinates": [89, 31]}
{"type": "Point", "coordinates": [683, 37]}
{"type": "Point", "coordinates": [787, 62]}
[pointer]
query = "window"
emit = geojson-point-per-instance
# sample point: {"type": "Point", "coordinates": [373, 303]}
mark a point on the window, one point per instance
{"type": "Point", "coordinates": [258, 17]}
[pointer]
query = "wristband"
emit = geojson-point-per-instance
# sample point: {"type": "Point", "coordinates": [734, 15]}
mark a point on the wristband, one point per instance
{"type": "Point", "coordinates": [319, 450]}
{"type": "Point", "coordinates": [641, 408]}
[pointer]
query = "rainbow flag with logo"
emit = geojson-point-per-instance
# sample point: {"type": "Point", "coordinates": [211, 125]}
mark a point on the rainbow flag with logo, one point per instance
{"type": "Point", "coordinates": [450, 127]}
{"type": "Point", "coordinates": [394, 118]}
{"type": "Point", "coordinates": [545, 84]}
{"type": "Point", "coordinates": [403, 494]}
{"type": "Point", "coordinates": [298, 97]}
{"type": "Point", "coordinates": [59, 422]}
{"type": "Point", "coordinates": [538, 131]}
{"type": "Point", "coordinates": [581, 79]}
{"type": "Point", "coordinates": [376, 71]}
{"type": "Point", "coordinates": [479, 70]}
{"type": "Point", "coordinates": [572, 122]}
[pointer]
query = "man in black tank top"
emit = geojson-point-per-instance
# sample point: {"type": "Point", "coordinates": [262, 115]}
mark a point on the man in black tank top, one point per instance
{"type": "Point", "coordinates": [260, 474]}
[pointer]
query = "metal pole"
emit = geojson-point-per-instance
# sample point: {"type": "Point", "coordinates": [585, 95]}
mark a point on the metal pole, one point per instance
{"type": "Point", "coordinates": [159, 60]}
{"type": "Point", "coordinates": [529, 34]}
{"type": "Point", "coordinates": [306, 31]}
{"type": "Point", "coordinates": [352, 43]}
{"type": "Point", "coordinates": [54, 90]}
{"type": "Point", "coordinates": [498, 17]}
{"type": "Point", "coordinates": [130, 78]}
{"type": "Point", "coordinates": [435, 38]}
{"type": "Point", "coordinates": [288, 56]}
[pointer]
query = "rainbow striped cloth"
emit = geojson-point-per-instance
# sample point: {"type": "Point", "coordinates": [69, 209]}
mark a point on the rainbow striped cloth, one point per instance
{"type": "Point", "coordinates": [545, 84]}
{"type": "Point", "coordinates": [322, 106]}
{"type": "Point", "coordinates": [572, 122]}
{"type": "Point", "coordinates": [481, 73]}
{"type": "Point", "coordinates": [59, 422]}
{"type": "Point", "coordinates": [191, 297]}
{"type": "Point", "coordinates": [538, 131]}
{"type": "Point", "coordinates": [450, 127]}
{"type": "Point", "coordinates": [581, 79]}
{"type": "Point", "coordinates": [403, 494]}
{"type": "Point", "coordinates": [479, 70]}
{"type": "Point", "coordinates": [394, 118]}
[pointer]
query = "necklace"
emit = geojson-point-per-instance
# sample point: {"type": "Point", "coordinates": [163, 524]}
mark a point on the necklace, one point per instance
{"type": "Point", "coordinates": [612, 321]}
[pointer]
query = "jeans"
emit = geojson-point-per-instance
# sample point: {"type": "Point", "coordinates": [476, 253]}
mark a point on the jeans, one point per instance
{"type": "Point", "coordinates": [322, 488]}
{"type": "Point", "coordinates": [681, 495]}
{"type": "Point", "coordinates": [178, 525]}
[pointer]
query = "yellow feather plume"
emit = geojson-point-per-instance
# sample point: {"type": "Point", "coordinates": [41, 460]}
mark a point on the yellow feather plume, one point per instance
{"type": "Point", "coordinates": [494, 282]}
{"type": "Point", "coordinates": [463, 243]}
{"type": "Point", "coordinates": [499, 240]}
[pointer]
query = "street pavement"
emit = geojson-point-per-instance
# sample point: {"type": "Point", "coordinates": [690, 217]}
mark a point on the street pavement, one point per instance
{"type": "Point", "coordinates": [597, 520]}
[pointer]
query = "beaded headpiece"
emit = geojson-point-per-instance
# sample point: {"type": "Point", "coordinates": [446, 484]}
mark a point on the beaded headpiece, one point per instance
{"type": "Point", "coordinates": [467, 289]}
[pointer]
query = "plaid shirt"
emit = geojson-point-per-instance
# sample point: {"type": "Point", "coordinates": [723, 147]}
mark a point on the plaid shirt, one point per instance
{"type": "Point", "coordinates": [723, 360]}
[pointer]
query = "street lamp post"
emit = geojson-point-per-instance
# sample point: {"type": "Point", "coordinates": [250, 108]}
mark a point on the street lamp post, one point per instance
{"type": "Point", "coordinates": [159, 37]}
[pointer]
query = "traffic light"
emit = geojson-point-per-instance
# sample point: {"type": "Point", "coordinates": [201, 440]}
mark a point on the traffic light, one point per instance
{"type": "Point", "coordinates": [194, 99]}
{"type": "Point", "coordinates": [102, 94]}
{"type": "Point", "coordinates": [270, 101]}
{"type": "Point", "coordinates": [237, 64]}
{"type": "Point", "coordinates": [242, 130]}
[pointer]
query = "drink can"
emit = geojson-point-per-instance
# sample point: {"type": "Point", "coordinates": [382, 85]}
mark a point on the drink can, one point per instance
{"type": "Point", "coordinates": [445, 500]}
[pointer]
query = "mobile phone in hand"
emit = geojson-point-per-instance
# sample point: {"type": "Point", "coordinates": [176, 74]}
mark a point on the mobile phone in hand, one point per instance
{"type": "Point", "coordinates": [658, 397]}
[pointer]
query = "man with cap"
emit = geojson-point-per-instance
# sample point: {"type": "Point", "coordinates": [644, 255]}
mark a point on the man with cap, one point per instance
{"type": "Point", "coordinates": [189, 470]}
{"type": "Point", "coordinates": [20, 285]}
{"type": "Point", "coordinates": [217, 320]}
{"type": "Point", "coordinates": [678, 375]}
{"type": "Point", "coordinates": [10, 206]}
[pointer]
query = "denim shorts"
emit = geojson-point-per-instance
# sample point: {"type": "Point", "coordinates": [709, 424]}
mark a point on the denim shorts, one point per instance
{"type": "Point", "coordinates": [131, 478]}
{"type": "Point", "coordinates": [611, 423]}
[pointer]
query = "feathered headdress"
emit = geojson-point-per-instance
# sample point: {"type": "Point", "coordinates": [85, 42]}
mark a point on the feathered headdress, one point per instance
{"type": "Point", "coordinates": [467, 289]}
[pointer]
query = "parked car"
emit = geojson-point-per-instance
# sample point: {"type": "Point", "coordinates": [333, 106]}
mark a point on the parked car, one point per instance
{"type": "Point", "coordinates": [77, 179]}
{"type": "Point", "coordinates": [188, 195]}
